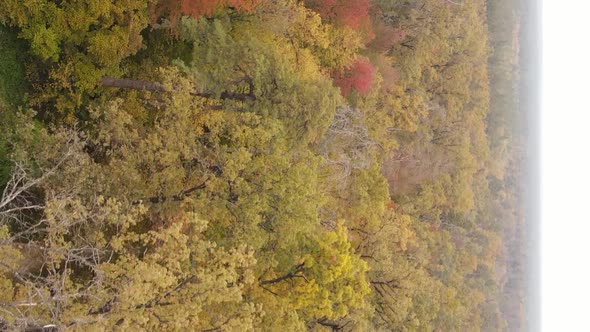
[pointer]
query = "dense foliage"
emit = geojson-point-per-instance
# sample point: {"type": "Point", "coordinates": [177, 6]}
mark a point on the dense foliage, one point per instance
{"type": "Point", "coordinates": [238, 165]}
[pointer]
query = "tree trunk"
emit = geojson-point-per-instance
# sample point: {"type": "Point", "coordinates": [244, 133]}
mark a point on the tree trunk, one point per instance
{"type": "Point", "coordinates": [290, 275]}
{"type": "Point", "coordinates": [124, 83]}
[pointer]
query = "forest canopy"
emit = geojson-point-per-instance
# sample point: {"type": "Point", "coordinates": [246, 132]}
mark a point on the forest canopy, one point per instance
{"type": "Point", "coordinates": [275, 165]}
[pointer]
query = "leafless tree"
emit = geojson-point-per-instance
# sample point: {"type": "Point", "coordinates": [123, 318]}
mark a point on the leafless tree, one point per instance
{"type": "Point", "coordinates": [347, 145]}
{"type": "Point", "coordinates": [38, 263]}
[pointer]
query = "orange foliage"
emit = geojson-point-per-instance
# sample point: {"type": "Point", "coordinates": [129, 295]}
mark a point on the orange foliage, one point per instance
{"type": "Point", "coordinates": [391, 205]}
{"type": "Point", "coordinates": [352, 13]}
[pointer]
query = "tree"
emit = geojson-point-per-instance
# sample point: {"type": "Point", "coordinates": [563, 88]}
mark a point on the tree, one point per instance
{"type": "Point", "coordinates": [286, 81]}
{"type": "Point", "coordinates": [76, 42]}
{"type": "Point", "coordinates": [69, 266]}
{"type": "Point", "coordinates": [173, 10]}
{"type": "Point", "coordinates": [232, 174]}
{"type": "Point", "coordinates": [328, 281]}
{"type": "Point", "coordinates": [347, 146]}
{"type": "Point", "coordinates": [358, 77]}
{"type": "Point", "coordinates": [85, 278]}
{"type": "Point", "coordinates": [351, 13]}
{"type": "Point", "coordinates": [129, 193]}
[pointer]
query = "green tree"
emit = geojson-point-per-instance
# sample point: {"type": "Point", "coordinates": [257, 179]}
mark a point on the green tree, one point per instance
{"type": "Point", "coordinates": [77, 42]}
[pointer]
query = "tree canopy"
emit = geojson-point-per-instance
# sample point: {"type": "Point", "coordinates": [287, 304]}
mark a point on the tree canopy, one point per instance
{"type": "Point", "coordinates": [343, 165]}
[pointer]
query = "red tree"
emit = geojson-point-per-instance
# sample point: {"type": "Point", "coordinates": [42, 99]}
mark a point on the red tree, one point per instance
{"type": "Point", "coordinates": [352, 13]}
{"type": "Point", "coordinates": [359, 76]}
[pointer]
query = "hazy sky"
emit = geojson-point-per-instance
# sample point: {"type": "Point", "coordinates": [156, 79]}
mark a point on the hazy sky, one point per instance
{"type": "Point", "coordinates": [565, 166]}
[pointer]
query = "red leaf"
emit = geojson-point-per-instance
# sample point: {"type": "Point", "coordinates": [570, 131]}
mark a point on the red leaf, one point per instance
{"type": "Point", "coordinates": [359, 77]}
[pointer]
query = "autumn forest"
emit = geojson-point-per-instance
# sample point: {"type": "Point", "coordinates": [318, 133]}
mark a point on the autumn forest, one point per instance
{"type": "Point", "coordinates": [261, 165]}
